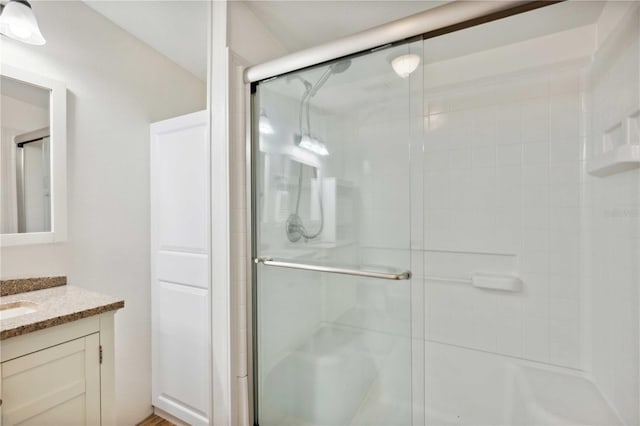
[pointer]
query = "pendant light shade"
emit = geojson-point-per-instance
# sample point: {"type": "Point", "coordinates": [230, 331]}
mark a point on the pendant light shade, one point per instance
{"type": "Point", "coordinates": [18, 22]}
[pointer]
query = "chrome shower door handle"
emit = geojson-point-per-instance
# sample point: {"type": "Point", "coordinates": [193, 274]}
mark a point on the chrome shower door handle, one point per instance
{"type": "Point", "coordinates": [397, 276]}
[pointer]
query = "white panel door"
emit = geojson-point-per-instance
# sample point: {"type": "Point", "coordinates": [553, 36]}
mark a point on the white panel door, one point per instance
{"type": "Point", "coordinates": [57, 386]}
{"type": "Point", "coordinates": [180, 267]}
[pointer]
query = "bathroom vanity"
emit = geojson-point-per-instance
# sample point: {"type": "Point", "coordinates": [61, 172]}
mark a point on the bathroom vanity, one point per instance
{"type": "Point", "coordinates": [56, 354]}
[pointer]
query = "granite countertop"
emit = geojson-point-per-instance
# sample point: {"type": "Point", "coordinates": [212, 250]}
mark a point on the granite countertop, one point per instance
{"type": "Point", "coordinates": [56, 305]}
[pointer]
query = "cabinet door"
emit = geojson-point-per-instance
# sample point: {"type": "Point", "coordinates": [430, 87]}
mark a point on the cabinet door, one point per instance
{"type": "Point", "coordinates": [57, 386]}
{"type": "Point", "coordinates": [180, 267]}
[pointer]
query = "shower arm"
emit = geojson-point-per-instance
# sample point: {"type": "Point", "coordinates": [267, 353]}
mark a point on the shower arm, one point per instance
{"type": "Point", "coordinates": [321, 81]}
{"type": "Point", "coordinates": [309, 93]}
{"type": "Point", "coordinates": [305, 96]}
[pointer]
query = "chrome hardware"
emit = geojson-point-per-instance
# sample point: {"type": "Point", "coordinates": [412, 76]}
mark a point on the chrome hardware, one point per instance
{"type": "Point", "coordinates": [267, 261]}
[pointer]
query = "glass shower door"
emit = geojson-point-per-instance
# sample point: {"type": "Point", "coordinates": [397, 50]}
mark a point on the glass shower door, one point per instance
{"type": "Point", "coordinates": [332, 226]}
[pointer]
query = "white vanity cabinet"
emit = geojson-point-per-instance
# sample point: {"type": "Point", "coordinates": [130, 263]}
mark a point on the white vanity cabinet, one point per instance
{"type": "Point", "coordinates": [61, 375]}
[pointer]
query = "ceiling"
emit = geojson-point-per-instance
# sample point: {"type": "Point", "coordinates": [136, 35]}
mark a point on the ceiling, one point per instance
{"type": "Point", "coordinates": [302, 24]}
{"type": "Point", "coordinates": [176, 28]}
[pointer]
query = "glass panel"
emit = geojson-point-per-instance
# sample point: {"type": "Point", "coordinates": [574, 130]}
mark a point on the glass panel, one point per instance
{"type": "Point", "coordinates": [528, 258]}
{"type": "Point", "coordinates": [333, 188]}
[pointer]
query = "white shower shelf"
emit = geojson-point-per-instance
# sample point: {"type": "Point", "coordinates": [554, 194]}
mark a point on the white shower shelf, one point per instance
{"type": "Point", "coordinates": [621, 159]}
{"type": "Point", "coordinates": [486, 280]}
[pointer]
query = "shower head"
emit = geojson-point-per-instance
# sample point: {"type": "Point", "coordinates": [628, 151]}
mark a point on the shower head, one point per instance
{"type": "Point", "coordinates": [340, 67]}
{"type": "Point", "coordinates": [337, 68]}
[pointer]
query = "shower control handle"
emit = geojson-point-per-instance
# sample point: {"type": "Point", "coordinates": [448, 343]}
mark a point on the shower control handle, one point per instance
{"type": "Point", "coordinates": [268, 261]}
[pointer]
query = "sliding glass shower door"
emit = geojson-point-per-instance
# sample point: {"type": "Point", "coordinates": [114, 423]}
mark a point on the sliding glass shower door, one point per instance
{"type": "Point", "coordinates": [332, 188]}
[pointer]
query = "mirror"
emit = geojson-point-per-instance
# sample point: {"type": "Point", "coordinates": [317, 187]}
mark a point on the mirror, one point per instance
{"type": "Point", "coordinates": [32, 158]}
{"type": "Point", "coordinates": [25, 188]}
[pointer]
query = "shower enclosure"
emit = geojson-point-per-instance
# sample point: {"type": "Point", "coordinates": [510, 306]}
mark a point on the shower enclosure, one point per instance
{"type": "Point", "coordinates": [445, 229]}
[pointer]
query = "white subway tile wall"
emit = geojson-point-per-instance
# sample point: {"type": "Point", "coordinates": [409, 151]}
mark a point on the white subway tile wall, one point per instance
{"type": "Point", "coordinates": [502, 177]}
{"type": "Point", "coordinates": [614, 211]}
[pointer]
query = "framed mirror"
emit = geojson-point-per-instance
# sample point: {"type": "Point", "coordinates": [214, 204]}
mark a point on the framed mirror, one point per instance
{"type": "Point", "coordinates": [33, 158]}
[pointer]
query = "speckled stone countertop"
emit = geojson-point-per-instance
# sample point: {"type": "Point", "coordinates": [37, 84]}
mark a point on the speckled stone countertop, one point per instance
{"type": "Point", "coordinates": [20, 285]}
{"type": "Point", "coordinates": [55, 306]}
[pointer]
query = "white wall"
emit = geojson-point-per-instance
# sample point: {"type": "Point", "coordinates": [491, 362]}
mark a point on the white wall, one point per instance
{"type": "Point", "coordinates": [116, 87]}
{"type": "Point", "coordinates": [249, 42]}
{"type": "Point", "coordinates": [614, 212]}
{"type": "Point", "coordinates": [249, 38]}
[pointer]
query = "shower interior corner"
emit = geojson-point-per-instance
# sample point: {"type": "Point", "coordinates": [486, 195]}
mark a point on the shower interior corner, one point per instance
{"type": "Point", "coordinates": [476, 172]}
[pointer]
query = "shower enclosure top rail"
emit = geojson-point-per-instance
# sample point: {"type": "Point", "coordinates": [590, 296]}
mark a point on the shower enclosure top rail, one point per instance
{"type": "Point", "coordinates": [421, 23]}
{"type": "Point", "coordinates": [267, 261]}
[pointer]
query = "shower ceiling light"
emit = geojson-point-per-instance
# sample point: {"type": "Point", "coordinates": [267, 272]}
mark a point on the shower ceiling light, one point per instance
{"type": "Point", "coordinates": [264, 125]}
{"type": "Point", "coordinates": [18, 22]}
{"type": "Point", "coordinates": [314, 145]}
{"type": "Point", "coordinates": [405, 64]}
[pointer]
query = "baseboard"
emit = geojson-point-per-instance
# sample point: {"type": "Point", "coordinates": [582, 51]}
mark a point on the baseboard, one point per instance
{"type": "Point", "coordinates": [161, 413]}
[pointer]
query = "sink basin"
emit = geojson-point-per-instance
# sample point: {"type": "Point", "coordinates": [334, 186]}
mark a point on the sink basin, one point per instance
{"type": "Point", "coordinates": [14, 309]}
